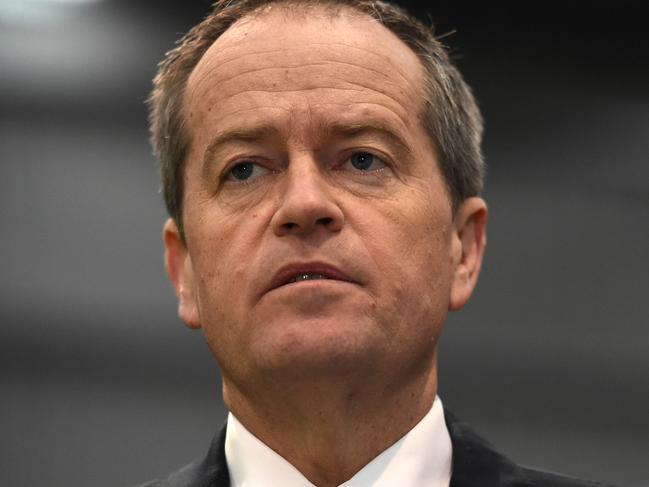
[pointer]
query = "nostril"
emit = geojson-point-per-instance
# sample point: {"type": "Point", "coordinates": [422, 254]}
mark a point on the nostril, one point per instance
{"type": "Point", "coordinates": [325, 221]}
{"type": "Point", "coordinates": [289, 225]}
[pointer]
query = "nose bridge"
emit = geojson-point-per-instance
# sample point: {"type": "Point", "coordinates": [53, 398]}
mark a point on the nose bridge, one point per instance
{"type": "Point", "coordinates": [306, 200]}
{"type": "Point", "coordinates": [304, 177]}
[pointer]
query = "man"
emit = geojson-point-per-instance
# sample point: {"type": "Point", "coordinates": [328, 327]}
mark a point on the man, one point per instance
{"type": "Point", "coordinates": [322, 169]}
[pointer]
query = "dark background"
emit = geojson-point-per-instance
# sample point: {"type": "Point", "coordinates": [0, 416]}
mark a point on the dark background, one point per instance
{"type": "Point", "coordinates": [101, 385]}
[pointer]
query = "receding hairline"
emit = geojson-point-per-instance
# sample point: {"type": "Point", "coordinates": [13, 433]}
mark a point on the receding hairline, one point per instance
{"type": "Point", "coordinates": [332, 9]}
{"type": "Point", "coordinates": [326, 10]}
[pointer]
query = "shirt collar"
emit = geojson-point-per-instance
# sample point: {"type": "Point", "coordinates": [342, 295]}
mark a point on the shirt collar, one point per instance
{"type": "Point", "coordinates": [422, 457]}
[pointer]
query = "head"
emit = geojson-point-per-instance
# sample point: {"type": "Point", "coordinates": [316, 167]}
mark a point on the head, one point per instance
{"type": "Point", "coordinates": [448, 111]}
{"type": "Point", "coordinates": [318, 228]}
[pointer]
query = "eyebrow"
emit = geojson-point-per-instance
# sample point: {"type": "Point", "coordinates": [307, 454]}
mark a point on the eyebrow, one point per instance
{"type": "Point", "coordinates": [330, 129]}
{"type": "Point", "coordinates": [367, 128]}
{"type": "Point", "coordinates": [237, 135]}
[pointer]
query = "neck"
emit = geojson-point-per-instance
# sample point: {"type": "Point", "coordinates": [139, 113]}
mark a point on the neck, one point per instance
{"type": "Point", "coordinates": [329, 430]}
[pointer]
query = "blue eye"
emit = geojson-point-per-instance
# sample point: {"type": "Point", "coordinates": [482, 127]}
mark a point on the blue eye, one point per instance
{"type": "Point", "coordinates": [245, 171]}
{"type": "Point", "coordinates": [365, 162]}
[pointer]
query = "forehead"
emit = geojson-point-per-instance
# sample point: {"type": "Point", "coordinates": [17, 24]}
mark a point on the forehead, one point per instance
{"type": "Point", "coordinates": [287, 64]}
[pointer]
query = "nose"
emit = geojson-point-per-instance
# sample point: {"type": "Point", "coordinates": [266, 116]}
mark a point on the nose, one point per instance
{"type": "Point", "coordinates": [306, 205]}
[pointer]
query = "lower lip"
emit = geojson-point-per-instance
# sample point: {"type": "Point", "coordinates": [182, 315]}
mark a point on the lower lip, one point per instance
{"type": "Point", "coordinates": [312, 283]}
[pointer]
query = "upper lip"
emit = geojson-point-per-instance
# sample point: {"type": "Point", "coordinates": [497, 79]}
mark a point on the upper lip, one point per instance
{"type": "Point", "coordinates": [286, 273]}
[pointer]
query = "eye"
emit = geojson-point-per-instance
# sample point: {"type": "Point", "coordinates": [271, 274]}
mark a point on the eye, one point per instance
{"type": "Point", "coordinates": [246, 171]}
{"type": "Point", "coordinates": [364, 162]}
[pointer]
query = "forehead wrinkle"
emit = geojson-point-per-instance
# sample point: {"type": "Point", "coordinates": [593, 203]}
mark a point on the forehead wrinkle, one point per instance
{"type": "Point", "coordinates": [259, 121]}
{"type": "Point", "coordinates": [257, 108]}
{"type": "Point", "coordinates": [354, 87]}
{"type": "Point", "coordinates": [402, 123]}
{"type": "Point", "coordinates": [308, 48]}
{"type": "Point", "coordinates": [326, 62]}
{"type": "Point", "coordinates": [333, 128]}
{"type": "Point", "coordinates": [207, 78]}
{"type": "Point", "coordinates": [266, 127]}
{"type": "Point", "coordinates": [223, 121]}
{"type": "Point", "coordinates": [398, 123]}
{"type": "Point", "coordinates": [312, 108]}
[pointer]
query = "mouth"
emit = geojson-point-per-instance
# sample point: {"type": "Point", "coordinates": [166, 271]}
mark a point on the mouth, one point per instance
{"type": "Point", "coordinates": [307, 277]}
{"type": "Point", "coordinates": [314, 271]}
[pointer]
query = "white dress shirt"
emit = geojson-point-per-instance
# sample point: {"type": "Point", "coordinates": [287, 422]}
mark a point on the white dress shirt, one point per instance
{"type": "Point", "coordinates": [421, 458]}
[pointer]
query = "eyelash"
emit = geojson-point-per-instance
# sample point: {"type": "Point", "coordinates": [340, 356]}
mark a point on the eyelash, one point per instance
{"type": "Point", "coordinates": [384, 160]}
{"type": "Point", "coordinates": [226, 176]}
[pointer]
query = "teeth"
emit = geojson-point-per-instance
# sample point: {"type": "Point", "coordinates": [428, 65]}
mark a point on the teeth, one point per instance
{"type": "Point", "coordinates": [307, 277]}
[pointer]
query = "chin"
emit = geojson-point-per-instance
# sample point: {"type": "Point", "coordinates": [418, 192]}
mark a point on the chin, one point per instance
{"type": "Point", "coordinates": [317, 345]}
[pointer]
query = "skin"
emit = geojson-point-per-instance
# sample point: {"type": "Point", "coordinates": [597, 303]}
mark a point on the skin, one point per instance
{"type": "Point", "coordinates": [327, 373]}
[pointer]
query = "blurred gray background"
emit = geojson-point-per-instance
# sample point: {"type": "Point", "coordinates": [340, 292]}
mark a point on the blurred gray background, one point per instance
{"type": "Point", "coordinates": [101, 385]}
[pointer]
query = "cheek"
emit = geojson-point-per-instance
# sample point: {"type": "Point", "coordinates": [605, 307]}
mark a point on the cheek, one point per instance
{"type": "Point", "coordinates": [221, 276]}
{"type": "Point", "coordinates": [410, 245]}
{"type": "Point", "coordinates": [222, 261]}
{"type": "Point", "coordinates": [415, 236]}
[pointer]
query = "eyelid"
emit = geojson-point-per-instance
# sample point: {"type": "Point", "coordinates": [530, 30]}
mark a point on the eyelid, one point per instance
{"type": "Point", "coordinates": [226, 175]}
{"type": "Point", "coordinates": [380, 155]}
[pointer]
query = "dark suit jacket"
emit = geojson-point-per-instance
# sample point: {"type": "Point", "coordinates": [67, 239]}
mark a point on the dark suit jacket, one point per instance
{"type": "Point", "coordinates": [475, 464]}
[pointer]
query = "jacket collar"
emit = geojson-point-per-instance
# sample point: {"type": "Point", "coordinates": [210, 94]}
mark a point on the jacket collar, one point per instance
{"type": "Point", "coordinates": [475, 462]}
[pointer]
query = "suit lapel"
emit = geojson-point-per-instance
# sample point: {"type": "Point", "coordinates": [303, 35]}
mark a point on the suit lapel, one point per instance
{"type": "Point", "coordinates": [476, 463]}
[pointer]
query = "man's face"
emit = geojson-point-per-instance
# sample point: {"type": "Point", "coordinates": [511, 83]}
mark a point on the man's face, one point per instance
{"type": "Point", "coordinates": [319, 232]}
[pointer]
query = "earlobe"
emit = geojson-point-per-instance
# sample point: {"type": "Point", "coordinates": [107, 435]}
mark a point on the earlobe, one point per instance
{"type": "Point", "coordinates": [468, 248]}
{"type": "Point", "coordinates": [181, 274]}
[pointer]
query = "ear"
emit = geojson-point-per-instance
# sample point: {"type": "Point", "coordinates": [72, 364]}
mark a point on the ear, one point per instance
{"type": "Point", "coordinates": [179, 268]}
{"type": "Point", "coordinates": [469, 240]}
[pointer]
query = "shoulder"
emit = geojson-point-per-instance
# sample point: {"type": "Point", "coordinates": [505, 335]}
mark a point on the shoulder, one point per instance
{"type": "Point", "coordinates": [476, 463]}
{"type": "Point", "coordinates": [185, 477]}
{"type": "Point", "coordinates": [540, 478]}
{"type": "Point", "coordinates": [210, 471]}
